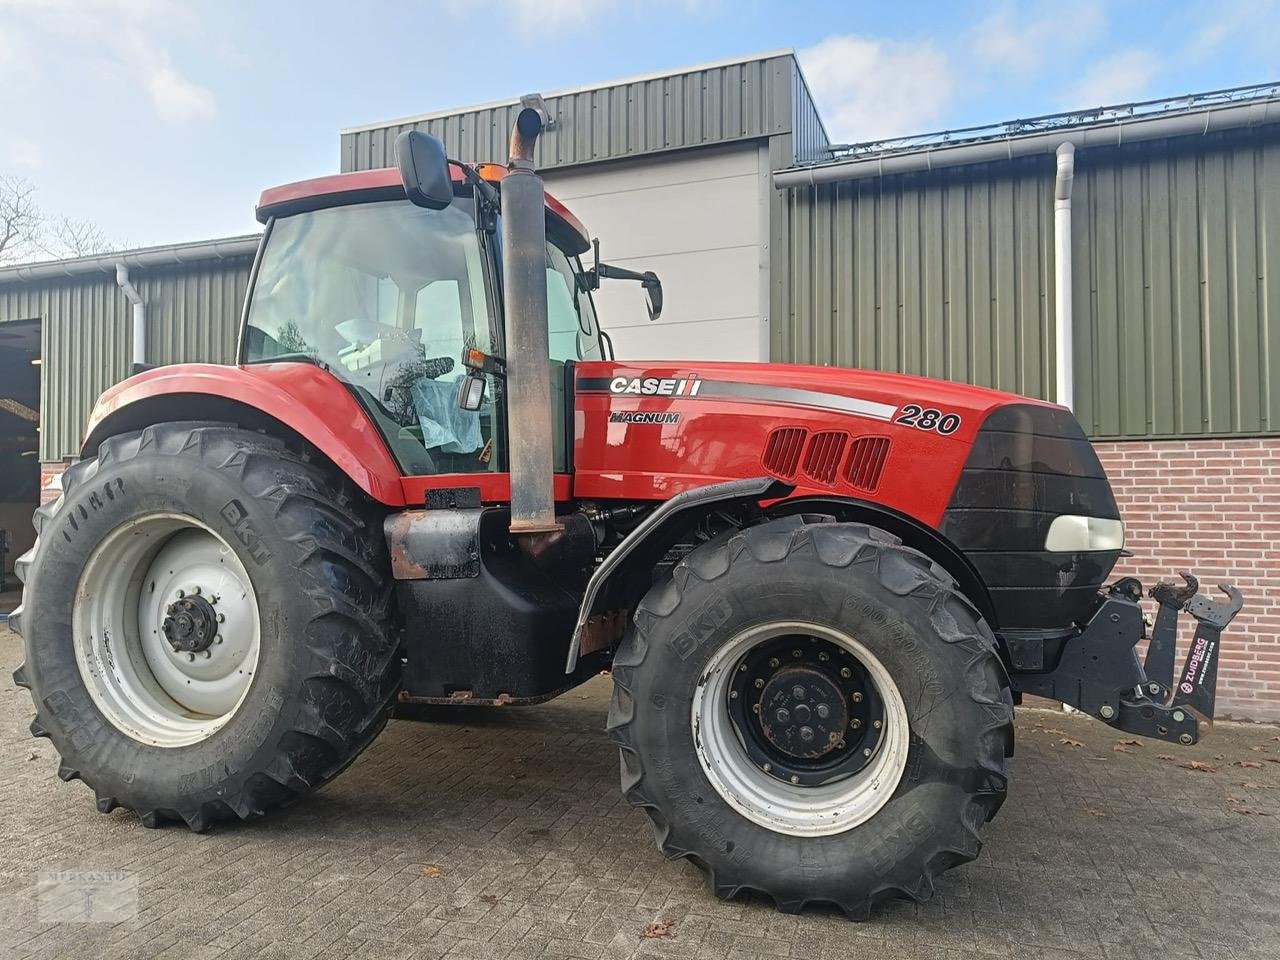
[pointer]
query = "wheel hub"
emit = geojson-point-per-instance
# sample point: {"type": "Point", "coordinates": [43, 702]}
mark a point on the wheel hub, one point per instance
{"type": "Point", "coordinates": [802, 713]}
{"type": "Point", "coordinates": [190, 624]}
{"type": "Point", "coordinates": [805, 710]}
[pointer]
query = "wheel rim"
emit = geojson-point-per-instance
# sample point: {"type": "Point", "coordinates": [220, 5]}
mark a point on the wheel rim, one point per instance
{"type": "Point", "coordinates": [826, 781]}
{"type": "Point", "coordinates": [166, 628]}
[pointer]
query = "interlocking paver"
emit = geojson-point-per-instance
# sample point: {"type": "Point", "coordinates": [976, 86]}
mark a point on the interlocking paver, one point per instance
{"type": "Point", "coordinates": [1097, 854]}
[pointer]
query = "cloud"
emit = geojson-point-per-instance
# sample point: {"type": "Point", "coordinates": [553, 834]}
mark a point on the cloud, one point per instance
{"type": "Point", "coordinates": [26, 153]}
{"type": "Point", "coordinates": [176, 98]}
{"type": "Point", "coordinates": [125, 39]}
{"type": "Point", "coordinates": [869, 89]}
{"type": "Point", "coordinates": [1027, 44]}
{"type": "Point", "coordinates": [1118, 78]}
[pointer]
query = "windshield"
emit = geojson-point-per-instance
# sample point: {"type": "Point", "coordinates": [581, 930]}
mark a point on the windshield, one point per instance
{"type": "Point", "coordinates": [384, 296]}
{"type": "Point", "coordinates": [570, 314]}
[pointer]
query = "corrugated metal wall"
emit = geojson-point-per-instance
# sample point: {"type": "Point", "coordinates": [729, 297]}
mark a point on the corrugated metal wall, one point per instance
{"type": "Point", "coordinates": [700, 107]}
{"type": "Point", "coordinates": [1176, 252]}
{"type": "Point", "coordinates": [1176, 249]}
{"type": "Point", "coordinates": [940, 275]}
{"type": "Point", "coordinates": [193, 314]}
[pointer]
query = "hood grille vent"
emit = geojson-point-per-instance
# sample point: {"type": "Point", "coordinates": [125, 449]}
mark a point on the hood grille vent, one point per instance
{"type": "Point", "coordinates": [866, 462]}
{"type": "Point", "coordinates": [822, 459]}
{"type": "Point", "coordinates": [782, 452]}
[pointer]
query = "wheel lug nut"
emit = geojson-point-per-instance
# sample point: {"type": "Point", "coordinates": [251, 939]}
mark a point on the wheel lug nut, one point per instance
{"type": "Point", "coordinates": [222, 618]}
{"type": "Point", "coordinates": [195, 591]}
{"type": "Point", "coordinates": [857, 696]}
{"type": "Point", "coordinates": [824, 656]}
{"type": "Point", "coordinates": [845, 673]}
{"type": "Point", "coordinates": [855, 724]}
{"type": "Point", "coordinates": [806, 734]}
{"type": "Point", "coordinates": [866, 752]}
{"type": "Point", "coordinates": [755, 708]}
{"type": "Point", "coordinates": [833, 737]}
{"type": "Point", "coordinates": [796, 654]}
{"type": "Point", "coordinates": [208, 654]}
{"type": "Point", "coordinates": [733, 694]}
{"type": "Point", "coordinates": [743, 668]}
{"type": "Point", "coordinates": [823, 711]}
{"type": "Point", "coordinates": [768, 767]}
{"type": "Point", "coordinates": [798, 692]}
{"type": "Point", "coordinates": [877, 724]}
{"type": "Point", "coordinates": [773, 662]}
{"type": "Point", "coordinates": [181, 594]}
{"type": "Point", "coordinates": [191, 657]}
{"type": "Point", "coordinates": [219, 640]}
{"type": "Point", "coordinates": [759, 683]}
{"type": "Point", "coordinates": [794, 778]}
{"type": "Point", "coordinates": [783, 715]}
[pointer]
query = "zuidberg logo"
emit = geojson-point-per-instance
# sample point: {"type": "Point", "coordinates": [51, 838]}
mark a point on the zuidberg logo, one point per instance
{"type": "Point", "coordinates": [655, 387]}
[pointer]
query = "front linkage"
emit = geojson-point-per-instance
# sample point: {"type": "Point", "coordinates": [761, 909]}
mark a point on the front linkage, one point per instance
{"type": "Point", "coordinates": [1098, 670]}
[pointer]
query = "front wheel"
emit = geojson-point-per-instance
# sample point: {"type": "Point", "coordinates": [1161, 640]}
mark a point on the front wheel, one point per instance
{"type": "Point", "coordinates": [205, 618]}
{"type": "Point", "coordinates": [812, 711]}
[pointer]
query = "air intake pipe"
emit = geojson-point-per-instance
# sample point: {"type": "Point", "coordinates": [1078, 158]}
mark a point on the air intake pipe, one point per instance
{"type": "Point", "coordinates": [524, 288]}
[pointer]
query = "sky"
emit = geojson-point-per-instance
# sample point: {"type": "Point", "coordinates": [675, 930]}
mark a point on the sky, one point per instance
{"type": "Point", "coordinates": [162, 121]}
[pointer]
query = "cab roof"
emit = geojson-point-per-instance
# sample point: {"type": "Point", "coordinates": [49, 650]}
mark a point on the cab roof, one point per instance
{"type": "Point", "coordinates": [367, 186]}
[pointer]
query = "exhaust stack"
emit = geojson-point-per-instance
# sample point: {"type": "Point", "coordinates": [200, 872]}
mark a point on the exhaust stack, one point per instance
{"type": "Point", "coordinates": [524, 285]}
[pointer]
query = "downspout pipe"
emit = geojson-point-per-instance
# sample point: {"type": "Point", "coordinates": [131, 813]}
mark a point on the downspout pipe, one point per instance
{"type": "Point", "coordinates": [1064, 327]}
{"type": "Point", "coordinates": [139, 317]}
{"type": "Point", "coordinates": [524, 292]}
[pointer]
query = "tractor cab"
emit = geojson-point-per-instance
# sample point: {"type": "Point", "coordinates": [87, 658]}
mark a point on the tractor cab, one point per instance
{"type": "Point", "coordinates": [392, 297]}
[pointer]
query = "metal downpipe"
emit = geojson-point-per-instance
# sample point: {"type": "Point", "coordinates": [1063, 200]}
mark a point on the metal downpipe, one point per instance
{"type": "Point", "coordinates": [139, 316]}
{"type": "Point", "coordinates": [1064, 322]}
{"type": "Point", "coordinates": [524, 285]}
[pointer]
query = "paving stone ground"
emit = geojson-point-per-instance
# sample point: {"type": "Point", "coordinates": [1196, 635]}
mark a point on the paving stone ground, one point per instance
{"type": "Point", "coordinates": [1097, 853]}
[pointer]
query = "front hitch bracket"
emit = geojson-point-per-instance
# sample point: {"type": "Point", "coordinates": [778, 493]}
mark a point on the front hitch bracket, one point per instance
{"type": "Point", "coordinates": [1098, 671]}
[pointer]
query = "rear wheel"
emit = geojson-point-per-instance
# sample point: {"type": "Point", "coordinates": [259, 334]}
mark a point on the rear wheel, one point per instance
{"type": "Point", "coordinates": [812, 711]}
{"type": "Point", "coordinates": [205, 619]}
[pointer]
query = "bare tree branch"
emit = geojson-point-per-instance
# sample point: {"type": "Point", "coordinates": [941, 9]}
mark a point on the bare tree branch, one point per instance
{"type": "Point", "coordinates": [26, 233]}
{"type": "Point", "coordinates": [66, 237]}
{"type": "Point", "coordinates": [20, 218]}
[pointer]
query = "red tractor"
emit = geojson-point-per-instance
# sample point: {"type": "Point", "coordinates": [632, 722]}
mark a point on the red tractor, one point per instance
{"type": "Point", "coordinates": [427, 481]}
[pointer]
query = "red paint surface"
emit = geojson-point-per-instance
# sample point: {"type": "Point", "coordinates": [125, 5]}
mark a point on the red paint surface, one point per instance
{"type": "Point", "coordinates": [714, 440]}
{"type": "Point", "coordinates": [302, 396]}
{"type": "Point", "coordinates": [389, 177]}
{"type": "Point", "coordinates": [724, 439]}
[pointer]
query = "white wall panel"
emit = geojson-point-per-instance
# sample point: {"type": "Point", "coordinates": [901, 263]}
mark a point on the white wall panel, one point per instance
{"type": "Point", "coordinates": [698, 220]}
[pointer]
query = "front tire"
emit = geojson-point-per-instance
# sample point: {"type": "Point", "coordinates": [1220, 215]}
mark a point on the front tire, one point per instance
{"type": "Point", "coordinates": [205, 619]}
{"type": "Point", "coordinates": [869, 801]}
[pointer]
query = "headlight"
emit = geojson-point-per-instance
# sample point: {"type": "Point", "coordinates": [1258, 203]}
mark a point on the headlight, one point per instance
{"type": "Point", "coordinates": [1072, 534]}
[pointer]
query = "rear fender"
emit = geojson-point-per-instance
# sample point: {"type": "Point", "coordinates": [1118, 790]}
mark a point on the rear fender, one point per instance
{"type": "Point", "coordinates": [295, 399]}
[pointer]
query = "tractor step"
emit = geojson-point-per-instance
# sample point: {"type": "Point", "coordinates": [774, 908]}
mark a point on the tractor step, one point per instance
{"type": "Point", "coordinates": [1098, 671]}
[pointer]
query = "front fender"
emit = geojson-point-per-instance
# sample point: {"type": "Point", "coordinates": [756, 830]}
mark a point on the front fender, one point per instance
{"type": "Point", "coordinates": [304, 398]}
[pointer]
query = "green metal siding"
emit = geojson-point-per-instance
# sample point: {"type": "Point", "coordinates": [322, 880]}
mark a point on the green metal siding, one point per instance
{"type": "Point", "coordinates": [1176, 250]}
{"type": "Point", "coordinates": [941, 275]}
{"type": "Point", "coordinates": [193, 314]}
{"type": "Point", "coordinates": [740, 101]}
{"type": "Point", "coordinates": [1176, 285]}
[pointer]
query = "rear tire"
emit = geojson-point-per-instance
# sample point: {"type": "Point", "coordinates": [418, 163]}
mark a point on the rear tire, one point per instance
{"type": "Point", "coordinates": [829, 593]}
{"type": "Point", "coordinates": [296, 558]}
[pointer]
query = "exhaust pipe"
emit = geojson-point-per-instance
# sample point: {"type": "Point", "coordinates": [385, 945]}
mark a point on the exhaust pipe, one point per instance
{"type": "Point", "coordinates": [524, 286]}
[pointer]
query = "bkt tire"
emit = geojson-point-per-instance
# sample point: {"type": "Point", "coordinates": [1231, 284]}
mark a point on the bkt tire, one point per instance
{"type": "Point", "coordinates": [205, 621]}
{"type": "Point", "coordinates": [813, 712]}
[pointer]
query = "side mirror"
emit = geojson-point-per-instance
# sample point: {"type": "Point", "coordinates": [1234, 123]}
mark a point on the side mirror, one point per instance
{"type": "Point", "coordinates": [652, 294]}
{"type": "Point", "coordinates": [606, 271]}
{"type": "Point", "coordinates": [424, 169]}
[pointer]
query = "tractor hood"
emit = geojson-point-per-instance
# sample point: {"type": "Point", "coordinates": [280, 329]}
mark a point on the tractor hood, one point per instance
{"type": "Point", "coordinates": [1010, 482]}
{"type": "Point", "coordinates": [675, 425]}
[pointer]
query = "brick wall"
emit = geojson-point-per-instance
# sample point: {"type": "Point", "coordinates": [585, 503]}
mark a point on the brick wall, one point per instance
{"type": "Point", "coordinates": [1211, 506]}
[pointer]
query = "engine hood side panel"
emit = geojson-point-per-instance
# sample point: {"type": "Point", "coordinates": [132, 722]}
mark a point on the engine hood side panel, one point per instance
{"type": "Point", "coordinates": [651, 430]}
